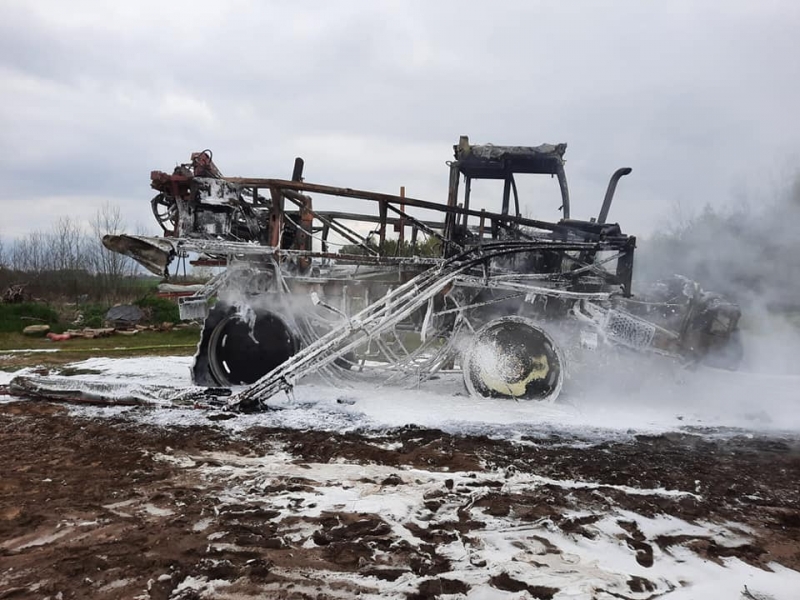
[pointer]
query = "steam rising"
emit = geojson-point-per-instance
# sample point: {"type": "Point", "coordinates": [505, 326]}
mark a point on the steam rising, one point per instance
{"type": "Point", "coordinates": [750, 256]}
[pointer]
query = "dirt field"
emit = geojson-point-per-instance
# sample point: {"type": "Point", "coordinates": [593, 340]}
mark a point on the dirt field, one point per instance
{"type": "Point", "coordinates": [110, 508]}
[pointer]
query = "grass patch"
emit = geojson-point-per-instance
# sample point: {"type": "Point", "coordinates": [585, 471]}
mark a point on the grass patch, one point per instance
{"type": "Point", "coordinates": [188, 336]}
{"type": "Point", "coordinates": [178, 342]}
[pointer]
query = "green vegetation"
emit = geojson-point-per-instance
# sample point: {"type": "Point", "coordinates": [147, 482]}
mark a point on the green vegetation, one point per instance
{"type": "Point", "coordinates": [159, 310]}
{"type": "Point", "coordinates": [431, 247]}
{"type": "Point", "coordinates": [15, 317]}
{"type": "Point", "coordinates": [93, 315]}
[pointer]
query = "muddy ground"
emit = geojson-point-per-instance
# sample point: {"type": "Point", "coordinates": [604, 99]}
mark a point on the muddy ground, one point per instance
{"type": "Point", "coordinates": [111, 508]}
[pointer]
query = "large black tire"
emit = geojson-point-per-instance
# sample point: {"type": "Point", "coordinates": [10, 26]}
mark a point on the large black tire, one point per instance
{"type": "Point", "coordinates": [234, 352]}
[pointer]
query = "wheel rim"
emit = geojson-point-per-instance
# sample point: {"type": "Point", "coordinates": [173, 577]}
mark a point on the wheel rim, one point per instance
{"type": "Point", "coordinates": [513, 358]}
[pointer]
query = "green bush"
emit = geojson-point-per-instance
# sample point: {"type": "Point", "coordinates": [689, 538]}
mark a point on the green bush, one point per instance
{"type": "Point", "coordinates": [93, 315]}
{"type": "Point", "coordinates": [159, 310]}
{"type": "Point", "coordinates": [16, 317]}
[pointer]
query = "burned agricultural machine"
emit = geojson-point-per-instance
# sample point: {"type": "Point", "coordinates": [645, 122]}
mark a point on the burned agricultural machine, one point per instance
{"type": "Point", "coordinates": [413, 289]}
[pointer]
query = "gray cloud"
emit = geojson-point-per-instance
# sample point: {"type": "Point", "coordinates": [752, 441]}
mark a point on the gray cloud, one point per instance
{"type": "Point", "coordinates": [699, 100]}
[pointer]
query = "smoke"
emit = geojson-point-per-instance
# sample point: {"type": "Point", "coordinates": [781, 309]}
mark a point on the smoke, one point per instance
{"type": "Point", "coordinates": [747, 254]}
{"type": "Point", "coordinates": [247, 291]}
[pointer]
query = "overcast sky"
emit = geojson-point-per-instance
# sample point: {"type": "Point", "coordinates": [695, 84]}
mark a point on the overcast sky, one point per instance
{"type": "Point", "coordinates": [701, 99]}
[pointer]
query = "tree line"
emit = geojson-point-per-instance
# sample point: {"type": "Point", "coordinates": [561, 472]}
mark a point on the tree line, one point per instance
{"type": "Point", "coordinates": [69, 262]}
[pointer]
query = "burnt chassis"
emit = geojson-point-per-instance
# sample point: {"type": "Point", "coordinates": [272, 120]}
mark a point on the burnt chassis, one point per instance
{"type": "Point", "coordinates": [506, 299]}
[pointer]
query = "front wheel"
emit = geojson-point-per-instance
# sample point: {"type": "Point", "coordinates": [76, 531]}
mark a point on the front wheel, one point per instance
{"type": "Point", "coordinates": [239, 345]}
{"type": "Point", "coordinates": [726, 355]}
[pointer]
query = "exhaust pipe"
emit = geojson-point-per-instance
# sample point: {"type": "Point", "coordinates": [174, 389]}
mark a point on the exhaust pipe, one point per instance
{"type": "Point", "coordinates": [612, 187]}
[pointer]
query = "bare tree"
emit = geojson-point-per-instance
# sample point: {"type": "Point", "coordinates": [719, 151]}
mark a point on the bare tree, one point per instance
{"type": "Point", "coordinates": [28, 253]}
{"type": "Point", "coordinates": [67, 246]}
{"type": "Point", "coordinates": [110, 267]}
{"type": "Point", "coordinates": [15, 256]}
{"type": "Point", "coordinates": [2, 254]}
{"type": "Point", "coordinates": [66, 259]}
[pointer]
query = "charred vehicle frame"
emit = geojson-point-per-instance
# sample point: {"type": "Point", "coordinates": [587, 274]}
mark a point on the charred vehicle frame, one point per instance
{"type": "Point", "coordinates": [417, 288]}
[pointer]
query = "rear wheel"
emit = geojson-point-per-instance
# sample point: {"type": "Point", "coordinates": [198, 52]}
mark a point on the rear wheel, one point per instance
{"type": "Point", "coordinates": [512, 357]}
